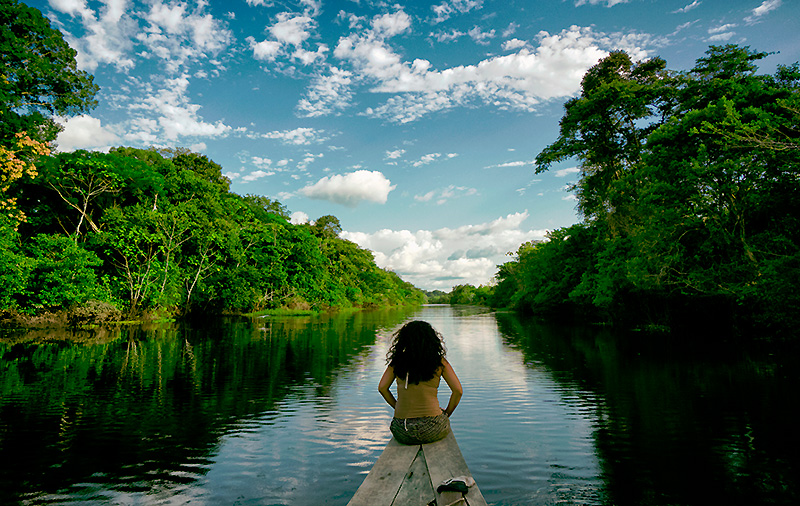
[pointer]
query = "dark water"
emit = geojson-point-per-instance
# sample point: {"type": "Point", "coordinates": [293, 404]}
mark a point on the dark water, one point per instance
{"type": "Point", "coordinates": [286, 411]}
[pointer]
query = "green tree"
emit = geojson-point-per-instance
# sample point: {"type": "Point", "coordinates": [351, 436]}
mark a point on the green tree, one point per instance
{"type": "Point", "coordinates": [63, 273]}
{"type": "Point", "coordinates": [39, 76]}
{"type": "Point", "coordinates": [605, 128]}
{"type": "Point", "coordinates": [78, 179]}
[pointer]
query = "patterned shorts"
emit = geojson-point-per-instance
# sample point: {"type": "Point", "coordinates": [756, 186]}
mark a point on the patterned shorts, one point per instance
{"type": "Point", "coordinates": [414, 431]}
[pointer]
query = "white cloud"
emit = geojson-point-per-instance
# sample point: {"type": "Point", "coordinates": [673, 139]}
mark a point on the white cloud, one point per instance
{"type": "Point", "coordinates": [392, 155]}
{"type": "Point", "coordinates": [446, 37]}
{"type": "Point", "coordinates": [440, 259]}
{"type": "Point", "coordinates": [257, 174]}
{"type": "Point", "coordinates": [426, 159]}
{"type": "Point", "coordinates": [292, 28]}
{"type": "Point", "coordinates": [308, 158]}
{"type": "Point", "coordinates": [765, 8]}
{"type": "Point", "coordinates": [175, 116]}
{"type": "Point", "coordinates": [688, 8]}
{"type": "Point", "coordinates": [298, 218]}
{"type": "Point", "coordinates": [352, 188]}
{"type": "Point", "coordinates": [517, 163]}
{"type": "Point", "coordinates": [512, 44]}
{"type": "Point", "coordinates": [85, 132]}
{"type": "Point", "coordinates": [720, 37]}
{"type": "Point", "coordinates": [368, 51]}
{"type": "Point", "coordinates": [609, 3]}
{"type": "Point", "coordinates": [108, 34]}
{"type": "Point", "coordinates": [566, 172]}
{"type": "Point", "coordinates": [298, 136]}
{"type": "Point", "coordinates": [72, 7]}
{"type": "Point", "coordinates": [327, 94]}
{"type": "Point", "coordinates": [444, 10]}
{"type": "Point", "coordinates": [389, 25]}
{"type": "Point", "coordinates": [721, 33]}
{"type": "Point", "coordinates": [289, 32]}
{"type": "Point", "coordinates": [264, 50]}
{"type": "Point", "coordinates": [520, 80]}
{"type": "Point", "coordinates": [480, 36]}
{"type": "Point", "coordinates": [178, 37]}
{"type": "Point", "coordinates": [722, 28]}
{"type": "Point", "coordinates": [443, 195]}
{"type": "Point", "coordinates": [510, 30]}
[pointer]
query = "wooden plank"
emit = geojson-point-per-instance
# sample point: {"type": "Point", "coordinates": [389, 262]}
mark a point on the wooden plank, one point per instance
{"type": "Point", "coordinates": [445, 461]}
{"type": "Point", "coordinates": [384, 480]}
{"type": "Point", "coordinates": [416, 489]}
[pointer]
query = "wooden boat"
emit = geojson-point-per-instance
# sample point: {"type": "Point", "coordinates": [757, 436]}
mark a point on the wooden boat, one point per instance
{"type": "Point", "coordinates": [408, 475]}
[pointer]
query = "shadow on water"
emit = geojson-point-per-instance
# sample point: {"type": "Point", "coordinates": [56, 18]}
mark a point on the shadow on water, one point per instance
{"type": "Point", "coordinates": [93, 414]}
{"type": "Point", "coordinates": [690, 423]}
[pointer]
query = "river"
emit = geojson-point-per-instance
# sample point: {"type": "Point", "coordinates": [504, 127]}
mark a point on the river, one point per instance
{"type": "Point", "coordinates": [285, 411]}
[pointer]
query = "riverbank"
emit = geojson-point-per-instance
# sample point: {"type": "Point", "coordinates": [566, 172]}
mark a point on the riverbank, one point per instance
{"type": "Point", "coordinates": [95, 314]}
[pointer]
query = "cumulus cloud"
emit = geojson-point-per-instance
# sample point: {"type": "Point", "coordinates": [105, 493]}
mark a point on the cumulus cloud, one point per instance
{"type": "Point", "coordinates": [298, 136]}
{"type": "Point", "coordinates": [515, 163]}
{"type": "Point", "coordinates": [426, 159]}
{"type": "Point", "coordinates": [440, 259]}
{"type": "Point", "coordinates": [391, 155]}
{"type": "Point", "coordinates": [298, 218]}
{"type": "Point", "coordinates": [85, 132]}
{"type": "Point", "coordinates": [108, 36]}
{"type": "Point", "coordinates": [451, 36]}
{"type": "Point", "coordinates": [256, 175]}
{"type": "Point", "coordinates": [289, 33]}
{"type": "Point", "coordinates": [688, 7]}
{"type": "Point", "coordinates": [566, 172]}
{"type": "Point", "coordinates": [168, 115]}
{"type": "Point", "coordinates": [177, 36]}
{"type": "Point", "coordinates": [510, 30]}
{"type": "Point", "coordinates": [329, 93]}
{"type": "Point", "coordinates": [521, 80]}
{"type": "Point", "coordinates": [548, 67]}
{"type": "Point", "coordinates": [352, 188]}
{"type": "Point", "coordinates": [721, 33]}
{"type": "Point", "coordinates": [765, 8]}
{"type": "Point", "coordinates": [445, 194]}
{"type": "Point", "coordinates": [512, 44]}
{"type": "Point", "coordinates": [608, 3]}
{"type": "Point", "coordinates": [443, 11]}
{"type": "Point", "coordinates": [480, 36]}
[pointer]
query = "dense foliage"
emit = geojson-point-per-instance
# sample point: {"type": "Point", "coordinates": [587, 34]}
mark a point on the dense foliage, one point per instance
{"type": "Point", "coordinates": [689, 188]}
{"type": "Point", "coordinates": [39, 75]}
{"type": "Point", "coordinates": [144, 230]}
{"type": "Point", "coordinates": [133, 231]}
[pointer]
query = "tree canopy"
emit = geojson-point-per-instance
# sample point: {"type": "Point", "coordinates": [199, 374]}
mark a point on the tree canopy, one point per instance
{"type": "Point", "coordinates": [40, 77]}
{"type": "Point", "coordinates": [689, 188]}
{"type": "Point", "coordinates": [143, 232]}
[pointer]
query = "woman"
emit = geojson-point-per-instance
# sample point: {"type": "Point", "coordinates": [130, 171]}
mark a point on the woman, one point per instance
{"type": "Point", "coordinates": [416, 360]}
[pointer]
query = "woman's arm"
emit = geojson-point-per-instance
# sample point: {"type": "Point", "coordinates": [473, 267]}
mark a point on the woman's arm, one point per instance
{"type": "Point", "coordinates": [383, 386]}
{"type": "Point", "coordinates": [456, 390]}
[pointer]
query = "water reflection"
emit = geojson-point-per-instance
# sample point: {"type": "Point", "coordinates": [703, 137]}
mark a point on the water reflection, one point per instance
{"type": "Point", "coordinates": [286, 411]}
{"type": "Point", "coordinates": [96, 417]}
{"type": "Point", "coordinates": [673, 425]}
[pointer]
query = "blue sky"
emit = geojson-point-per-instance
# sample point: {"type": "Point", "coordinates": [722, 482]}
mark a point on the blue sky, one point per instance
{"type": "Point", "coordinates": [415, 123]}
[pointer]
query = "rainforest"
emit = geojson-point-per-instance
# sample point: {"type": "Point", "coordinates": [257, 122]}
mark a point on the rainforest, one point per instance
{"type": "Point", "coordinates": [688, 197]}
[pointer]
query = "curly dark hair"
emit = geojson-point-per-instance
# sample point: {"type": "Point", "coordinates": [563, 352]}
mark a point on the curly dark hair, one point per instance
{"type": "Point", "coordinates": [416, 352]}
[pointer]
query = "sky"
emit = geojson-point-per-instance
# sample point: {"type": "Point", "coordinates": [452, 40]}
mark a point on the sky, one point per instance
{"type": "Point", "coordinates": [414, 123]}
